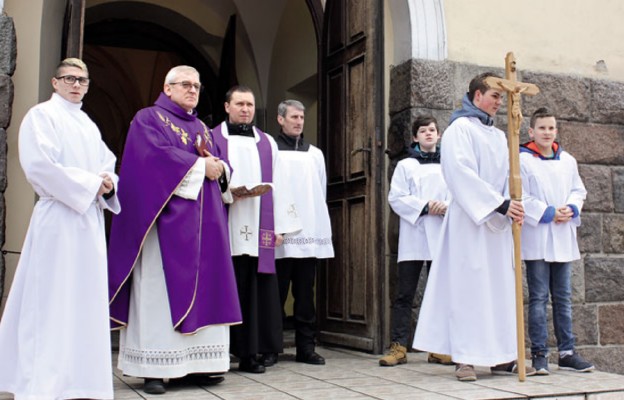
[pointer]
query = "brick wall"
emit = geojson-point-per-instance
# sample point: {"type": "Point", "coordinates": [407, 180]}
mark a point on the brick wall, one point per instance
{"type": "Point", "coordinates": [591, 127]}
{"type": "Point", "coordinates": [8, 55]}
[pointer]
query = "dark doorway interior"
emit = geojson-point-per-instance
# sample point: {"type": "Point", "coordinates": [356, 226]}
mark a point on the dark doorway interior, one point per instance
{"type": "Point", "coordinates": [128, 61]}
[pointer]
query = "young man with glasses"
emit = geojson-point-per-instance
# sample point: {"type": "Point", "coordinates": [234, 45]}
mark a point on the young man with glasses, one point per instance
{"type": "Point", "coordinates": [54, 339]}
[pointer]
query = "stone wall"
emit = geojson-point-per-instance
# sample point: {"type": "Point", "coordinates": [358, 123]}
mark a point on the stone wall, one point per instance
{"type": "Point", "coordinates": [591, 127]}
{"type": "Point", "coordinates": [8, 55]}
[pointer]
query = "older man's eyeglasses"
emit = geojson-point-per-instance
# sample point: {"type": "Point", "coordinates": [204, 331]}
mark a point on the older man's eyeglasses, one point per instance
{"type": "Point", "coordinates": [188, 85]}
{"type": "Point", "coordinates": [71, 79]}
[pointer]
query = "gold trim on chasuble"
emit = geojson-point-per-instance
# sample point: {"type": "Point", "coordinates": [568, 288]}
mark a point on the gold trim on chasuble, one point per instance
{"type": "Point", "coordinates": [124, 324]}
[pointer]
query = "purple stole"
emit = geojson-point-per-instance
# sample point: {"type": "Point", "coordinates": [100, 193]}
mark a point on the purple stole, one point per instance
{"type": "Point", "coordinates": [266, 234]}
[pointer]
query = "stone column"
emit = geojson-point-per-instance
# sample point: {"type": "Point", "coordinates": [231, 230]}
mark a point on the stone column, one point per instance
{"type": "Point", "coordinates": [8, 55]}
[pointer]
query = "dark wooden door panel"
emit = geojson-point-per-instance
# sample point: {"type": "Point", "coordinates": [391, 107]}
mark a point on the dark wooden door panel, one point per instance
{"type": "Point", "coordinates": [351, 114]}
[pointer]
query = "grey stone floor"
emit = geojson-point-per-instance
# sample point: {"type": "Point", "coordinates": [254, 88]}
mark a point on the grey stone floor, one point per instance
{"type": "Point", "coordinates": [354, 375]}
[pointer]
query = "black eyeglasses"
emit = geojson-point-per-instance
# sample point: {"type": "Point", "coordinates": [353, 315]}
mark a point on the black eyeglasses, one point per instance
{"type": "Point", "coordinates": [188, 85]}
{"type": "Point", "coordinates": [71, 79]}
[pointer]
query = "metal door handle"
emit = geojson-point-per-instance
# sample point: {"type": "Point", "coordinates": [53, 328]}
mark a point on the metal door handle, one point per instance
{"type": "Point", "coordinates": [355, 151]}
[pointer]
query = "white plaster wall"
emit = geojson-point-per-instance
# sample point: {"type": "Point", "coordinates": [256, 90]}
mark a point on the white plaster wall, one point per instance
{"type": "Point", "coordinates": [559, 36]}
{"type": "Point", "coordinates": [36, 45]}
{"type": "Point", "coordinates": [293, 67]}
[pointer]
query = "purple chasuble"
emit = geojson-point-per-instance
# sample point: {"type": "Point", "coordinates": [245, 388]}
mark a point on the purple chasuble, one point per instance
{"type": "Point", "coordinates": [266, 237]}
{"type": "Point", "coordinates": [193, 234]}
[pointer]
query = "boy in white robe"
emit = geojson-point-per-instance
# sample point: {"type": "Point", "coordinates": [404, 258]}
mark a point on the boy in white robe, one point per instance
{"type": "Point", "coordinates": [553, 195]}
{"type": "Point", "coordinates": [419, 196]}
{"type": "Point", "coordinates": [54, 337]}
{"type": "Point", "coordinates": [468, 306]}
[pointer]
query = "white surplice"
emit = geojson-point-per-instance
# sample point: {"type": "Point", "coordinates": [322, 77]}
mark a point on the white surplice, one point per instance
{"type": "Point", "coordinates": [54, 334]}
{"type": "Point", "coordinates": [303, 173]}
{"type": "Point", "coordinates": [550, 183]}
{"type": "Point", "coordinates": [244, 214]}
{"type": "Point", "coordinates": [468, 309]}
{"type": "Point", "coordinates": [149, 347]}
{"type": "Point", "coordinates": [413, 185]}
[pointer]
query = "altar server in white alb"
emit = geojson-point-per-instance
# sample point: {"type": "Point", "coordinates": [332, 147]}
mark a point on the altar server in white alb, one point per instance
{"type": "Point", "coordinates": [54, 334]}
{"type": "Point", "coordinates": [468, 306]}
{"type": "Point", "coordinates": [553, 195]}
{"type": "Point", "coordinates": [419, 196]}
{"type": "Point", "coordinates": [303, 168]}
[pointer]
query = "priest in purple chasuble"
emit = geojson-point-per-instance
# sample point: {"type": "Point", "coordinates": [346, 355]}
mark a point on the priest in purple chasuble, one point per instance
{"type": "Point", "coordinates": [171, 280]}
{"type": "Point", "coordinates": [256, 227]}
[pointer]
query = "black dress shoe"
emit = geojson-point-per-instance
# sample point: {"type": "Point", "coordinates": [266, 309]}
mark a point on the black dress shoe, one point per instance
{"type": "Point", "coordinates": [310, 358]}
{"type": "Point", "coordinates": [268, 359]}
{"type": "Point", "coordinates": [207, 379]}
{"type": "Point", "coordinates": [154, 386]}
{"type": "Point", "coordinates": [198, 379]}
{"type": "Point", "coordinates": [249, 364]}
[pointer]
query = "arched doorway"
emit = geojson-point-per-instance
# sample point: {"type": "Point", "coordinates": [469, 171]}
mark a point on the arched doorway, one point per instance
{"type": "Point", "coordinates": [128, 59]}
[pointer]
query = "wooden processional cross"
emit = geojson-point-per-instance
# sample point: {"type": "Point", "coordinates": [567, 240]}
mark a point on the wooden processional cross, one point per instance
{"type": "Point", "coordinates": [514, 90]}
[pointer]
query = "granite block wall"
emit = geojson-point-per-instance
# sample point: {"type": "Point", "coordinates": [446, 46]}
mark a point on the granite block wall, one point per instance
{"type": "Point", "coordinates": [8, 57]}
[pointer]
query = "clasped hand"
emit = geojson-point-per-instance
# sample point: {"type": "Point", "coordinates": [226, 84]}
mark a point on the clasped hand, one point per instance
{"type": "Point", "coordinates": [437, 207]}
{"type": "Point", "coordinates": [563, 214]}
{"type": "Point", "coordinates": [107, 184]}
{"type": "Point", "coordinates": [214, 168]}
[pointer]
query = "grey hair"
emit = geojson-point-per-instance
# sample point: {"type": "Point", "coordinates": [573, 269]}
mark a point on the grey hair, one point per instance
{"type": "Point", "coordinates": [173, 72]}
{"type": "Point", "coordinates": [283, 107]}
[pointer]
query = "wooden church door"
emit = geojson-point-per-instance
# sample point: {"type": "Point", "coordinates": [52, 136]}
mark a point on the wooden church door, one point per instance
{"type": "Point", "coordinates": [349, 286]}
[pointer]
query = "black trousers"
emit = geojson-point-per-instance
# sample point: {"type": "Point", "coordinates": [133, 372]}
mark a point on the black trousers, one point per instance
{"type": "Point", "coordinates": [407, 283]}
{"type": "Point", "coordinates": [261, 331]}
{"type": "Point", "coordinates": [302, 273]}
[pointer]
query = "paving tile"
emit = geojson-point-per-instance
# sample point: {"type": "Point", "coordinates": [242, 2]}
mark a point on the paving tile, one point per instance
{"type": "Point", "coordinates": [597, 386]}
{"type": "Point", "coordinates": [606, 396]}
{"type": "Point", "coordinates": [242, 389]}
{"type": "Point", "coordinates": [393, 391]}
{"type": "Point", "coordinates": [311, 384]}
{"type": "Point", "coordinates": [360, 382]}
{"type": "Point", "coordinates": [482, 394]}
{"type": "Point", "coordinates": [256, 396]}
{"type": "Point", "coordinates": [324, 394]}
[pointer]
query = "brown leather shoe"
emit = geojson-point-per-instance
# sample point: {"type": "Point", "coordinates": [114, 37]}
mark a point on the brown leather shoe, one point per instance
{"type": "Point", "coordinates": [511, 368]}
{"type": "Point", "coordinates": [436, 358]}
{"type": "Point", "coordinates": [465, 373]}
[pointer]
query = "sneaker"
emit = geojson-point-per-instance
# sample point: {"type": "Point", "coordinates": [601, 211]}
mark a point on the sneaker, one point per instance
{"type": "Point", "coordinates": [435, 358]}
{"type": "Point", "coordinates": [465, 373]}
{"type": "Point", "coordinates": [511, 368]}
{"type": "Point", "coordinates": [397, 355]}
{"type": "Point", "coordinates": [575, 363]}
{"type": "Point", "coordinates": [540, 363]}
